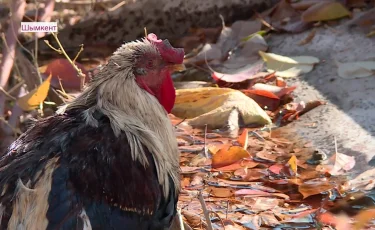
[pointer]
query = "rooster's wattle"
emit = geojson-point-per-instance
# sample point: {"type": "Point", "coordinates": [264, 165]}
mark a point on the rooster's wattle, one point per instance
{"type": "Point", "coordinates": [108, 159]}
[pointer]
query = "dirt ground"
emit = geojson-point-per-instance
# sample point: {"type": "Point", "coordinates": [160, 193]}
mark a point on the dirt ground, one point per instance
{"type": "Point", "coordinates": [350, 113]}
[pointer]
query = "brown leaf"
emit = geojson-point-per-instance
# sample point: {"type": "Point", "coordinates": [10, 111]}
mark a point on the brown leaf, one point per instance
{"type": "Point", "coordinates": [228, 155]}
{"type": "Point", "coordinates": [340, 222]}
{"type": "Point", "coordinates": [362, 218]}
{"type": "Point", "coordinates": [276, 90]}
{"type": "Point", "coordinates": [365, 20]}
{"type": "Point", "coordinates": [266, 156]}
{"type": "Point", "coordinates": [185, 182]}
{"type": "Point", "coordinates": [276, 168]}
{"type": "Point", "coordinates": [364, 180]}
{"type": "Point", "coordinates": [283, 11]}
{"type": "Point", "coordinates": [220, 192]}
{"type": "Point", "coordinates": [258, 193]}
{"type": "Point", "coordinates": [192, 218]}
{"type": "Point", "coordinates": [197, 181]}
{"type": "Point", "coordinates": [356, 3]}
{"type": "Point", "coordinates": [269, 219]}
{"type": "Point", "coordinates": [63, 70]}
{"type": "Point", "coordinates": [314, 187]}
{"type": "Point", "coordinates": [280, 82]}
{"type": "Point", "coordinates": [241, 164]}
{"type": "Point", "coordinates": [264, 98]}
{"type": "Point", "coordinates": [262, 203]}
{"type": "Point", "coordinates": [251, 174]}
{"type": "Point", "coordinates": [252, 222]}
{"type": "Point", "coordinates": [325, 11]}
{"type": "Point", "coordinates": [188, 169]}
{"type": "Point", "coordinates": [243, 139]}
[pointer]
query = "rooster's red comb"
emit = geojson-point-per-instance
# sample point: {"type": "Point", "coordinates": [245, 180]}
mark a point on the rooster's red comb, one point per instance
{"type": "Point", "coordinates": [166, 50]}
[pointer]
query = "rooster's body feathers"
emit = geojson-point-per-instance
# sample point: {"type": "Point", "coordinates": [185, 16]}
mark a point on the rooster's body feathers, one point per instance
{"type": "Point", "coordinates": [109, 159]}
{"type": "Point", "coordinates": [83, 169]}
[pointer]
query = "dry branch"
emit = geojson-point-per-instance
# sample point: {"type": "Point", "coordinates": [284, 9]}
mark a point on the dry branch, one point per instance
{"type": "Point", "coordinates": [9, 50]}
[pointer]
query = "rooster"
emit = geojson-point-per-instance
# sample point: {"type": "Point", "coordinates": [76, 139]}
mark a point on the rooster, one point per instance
{"type": "Point", "coordinates": [108, 159]}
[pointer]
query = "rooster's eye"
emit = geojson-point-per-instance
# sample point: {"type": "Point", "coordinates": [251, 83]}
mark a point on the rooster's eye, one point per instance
{"type": "Point", "coordinates": [150, 64]}
{"type": "Point", "coordinates": [140, 71]}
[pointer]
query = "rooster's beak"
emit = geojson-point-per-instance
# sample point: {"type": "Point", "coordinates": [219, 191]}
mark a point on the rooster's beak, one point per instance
{"type": "Point", "coordinates": [176, 67]}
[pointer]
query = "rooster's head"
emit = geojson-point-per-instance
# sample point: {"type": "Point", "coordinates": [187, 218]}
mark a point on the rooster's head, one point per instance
{"type": "Point", "coordinates": [149, 63]}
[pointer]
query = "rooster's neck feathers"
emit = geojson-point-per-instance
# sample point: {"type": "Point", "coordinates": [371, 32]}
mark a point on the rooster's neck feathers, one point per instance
{"type": "Point", "coordinates": [115, 93]}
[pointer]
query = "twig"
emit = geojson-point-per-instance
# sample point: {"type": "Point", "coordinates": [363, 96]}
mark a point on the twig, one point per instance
{"type": "Point", "coordinates": [50, 46]}
{"type": "Point", "coordinates": [117, 6]}
{"type": "Point", "coordinates": [205, 142]}
{"type": "Point", "coordinates": [46, 15]}
{"type": "Point", "coordinates": [332, 29]}
{"type": "Point", "coordinates": [79, 52]}
{"type": "Point", "coordinates": [257, 135]}
{"type": "Point", "coordinates": [17, 10]}
{"type": "Point", "coordinates": [221, 220]}
{"type": "Point", "coordinates": [179, 123]}
{"type": "Point", "coordinates": [62, 88]}
{"type": "Point", "coordinates": [9, 41]}
{"type": "Point", "coordinates": [226, 211]}
{"type": "Point", "coordinates": [182, 227]}
{"type": "Point", "coordinates": [36, 34]}
{"type": "Point", "coordinates": [7, 94]}
{"type": "Point", "coordinates": [12, 56]}
{"type": "Point", "coordinates": [61, 50]}
{"type": "Point", "coordinates": [205, 211]}
{"type": "Point", "coordinates": [264, 22]}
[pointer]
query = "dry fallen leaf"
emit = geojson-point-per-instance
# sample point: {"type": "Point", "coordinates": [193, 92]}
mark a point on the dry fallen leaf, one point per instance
{"type": "Point", "coordinates": [366, 20]}
{"type": "Point", "coordinates": [228, 155]}
{"type": "Point", "coordinates": [269, 219]}
{"type": "Point", "coordinates": [264, 155]}
{"type": "Point", "coordinates": [363, 218]}
{"type": "Point", "coordinates": [293, 164]}
{"type": "Point", "coordinates": [193, 219]}
{"type": "Point", "coordinates": [342, 162]}
{"type": "Point", "coordinates": [220, 192]}
{"type": "Point", "coordinates": [243, 139]}
{"type": "Point", "coordinates": [264, 98]}
{"type": "Point", "coordinates": [314, 187]}
{"type": "Point", "coordinates": [244, 74]}
{"type": "Point", "coordinates": [228, 39]}
{"type": "Point", "coordinates": [364, 180]}
{"type": "Point", "coordinates": [351, 70]}
{"type": "Point", "coordinates": [212, 106]}
{"type": "Point", "coordinates": [36, 96]}
{"type": "Point", "coordinates": [277, 90]}
{"type": "Point", "coordinates": [63, 70]}
{"type": "Point", "coordinates": [238, 165]}
{"type": "Point", "coordinates": [288, 66]}
{"type": "Point", "coordinates": [325, 11]}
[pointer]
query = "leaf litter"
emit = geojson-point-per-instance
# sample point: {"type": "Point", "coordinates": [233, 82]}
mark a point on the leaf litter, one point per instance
{"type": "Point", "coordinates": [257, 179]}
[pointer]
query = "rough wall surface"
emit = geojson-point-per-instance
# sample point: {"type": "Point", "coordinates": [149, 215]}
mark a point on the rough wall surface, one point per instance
{"type": "Point", "coordinates": [167, 18]}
